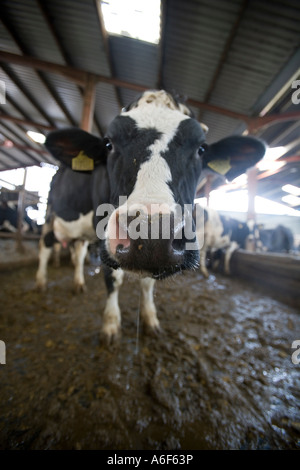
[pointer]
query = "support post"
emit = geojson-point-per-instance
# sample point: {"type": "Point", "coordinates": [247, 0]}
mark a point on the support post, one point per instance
{"type": "Point", "coordinates": [251, 216]}
{"type": "Point", "coordinates": [207, 188]}
{"type": "Point", "coordinates": [88, 108]}
{"type": "Point", "coordinates": [252, 183]}
{"type": "Point", "coordinates": [21, 198]}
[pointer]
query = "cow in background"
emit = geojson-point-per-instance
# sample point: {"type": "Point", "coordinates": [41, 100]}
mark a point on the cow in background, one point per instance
{"type": "Point", "coordinates": [278, 240]}
{"type": "Point", "coordinates": [222, 233]}
{"type": "Point", "coordinates": [9, 219]}
{"type": "Point", "coordinates": [152, 157]}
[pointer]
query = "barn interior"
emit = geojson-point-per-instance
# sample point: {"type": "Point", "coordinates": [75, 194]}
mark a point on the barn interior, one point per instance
{"type": "Point", "coordinates": [222, 374]}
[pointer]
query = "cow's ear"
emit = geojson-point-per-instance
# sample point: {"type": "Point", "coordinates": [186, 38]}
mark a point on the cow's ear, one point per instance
{"type": "Point", "coordinates": [233, 155]}
{"type": "Point", "coordinates": [76, 148]}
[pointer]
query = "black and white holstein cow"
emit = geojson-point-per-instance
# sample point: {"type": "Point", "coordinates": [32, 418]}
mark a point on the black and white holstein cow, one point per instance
{"type": "Point", "coordinates": [277, 240]}
{"type": "Point", "coordinates": [146, 167]}
{"type": "Point", "coordinates": [222, 233]}
{"type": "Point", "coordinates": [9, 219]}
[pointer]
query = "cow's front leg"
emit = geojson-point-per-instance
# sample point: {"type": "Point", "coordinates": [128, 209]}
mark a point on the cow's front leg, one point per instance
{"type": "Point", "coordinates": [56, 254]}
{"type": "Point", "coordinates": [233, 246]}
{"type": "Point", "coordinates": [148, 309]}
{"type": "Point", "coordinates": [79, 254]}
{"type": "Point", "coordinates": [45, 250]}
{"type": "Point", "coordinates": [112, 314]}
{"type": "Point", "coordinates": [203, 253]}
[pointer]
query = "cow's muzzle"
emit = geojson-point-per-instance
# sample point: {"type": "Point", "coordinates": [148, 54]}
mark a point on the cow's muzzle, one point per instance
{"type": "Point", "coordinates": [148, 242]}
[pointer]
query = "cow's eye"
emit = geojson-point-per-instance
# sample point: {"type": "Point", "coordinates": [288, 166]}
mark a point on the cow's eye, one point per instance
{"type": "Point", "coordinates": [108, 143]}
{"type": "Point", "coordinates": [202, 149]}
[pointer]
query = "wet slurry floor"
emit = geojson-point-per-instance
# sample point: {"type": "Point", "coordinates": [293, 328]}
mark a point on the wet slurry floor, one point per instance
{"type": "Point", "coordinates": [220, 374]}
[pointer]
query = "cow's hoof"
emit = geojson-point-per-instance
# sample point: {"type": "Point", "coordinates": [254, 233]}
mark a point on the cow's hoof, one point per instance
{"type": "Point", "coordinates": [110, 334]}
{"type": "Point", "coordinates": [205, 273]}
{"type": "Point", "coordinates": [151, 324]}
{"type": "Point", "coordinates": [152, 330]}
{"type": "Point", "coordinates": [79, 288]}
{"type": "Point", "coordinates": [40, 287]}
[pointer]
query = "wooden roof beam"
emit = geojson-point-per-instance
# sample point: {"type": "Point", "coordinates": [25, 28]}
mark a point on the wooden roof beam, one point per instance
{"type": "Point", "coordinates": [81, 77]}
{"type": "Point", "coordinates": [22, 112]}
{"type": "Point", "coordinates": [10, 157]}
{"type": "Point", "coordinates": [35, 160]}
{"type": "Point", "coordinates": [70, 73]}
{"type": "Point", "coordinates": [269, 119]}
{"type": "Point", "coordinates": [25, 147]}
{"type": "Point", "coordinates": [26, 122]}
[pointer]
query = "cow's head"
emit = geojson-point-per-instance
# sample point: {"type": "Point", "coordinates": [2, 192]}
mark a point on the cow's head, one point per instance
{"type": "Point", "coordinates": [154, 152]}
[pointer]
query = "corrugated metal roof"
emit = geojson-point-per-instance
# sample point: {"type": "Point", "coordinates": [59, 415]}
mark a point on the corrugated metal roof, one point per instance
{"type": "Point", "coordinates": [26, 20]}
{"type": "Point", "coordinates": [106, 93]}
{"type": "Point", "coordinates": [78, 28]}
{"type": "Point", "coordinates": [236, 55]}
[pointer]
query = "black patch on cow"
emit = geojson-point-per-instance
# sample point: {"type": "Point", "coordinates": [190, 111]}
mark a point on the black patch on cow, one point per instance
{"type": "Point", "coordinates": [108, 278]}
{"type": "Point", "coordinates": [184, 161]}
{"type": "Point", "coordinates": [238, 231]}
{"type": "Point", "coordinates": [50, 239]}
{"type": "Point", "coordinates": [75, 193]}
{"type": "Point", "coordinates": [280, 239]}
{"type": "Point", "coordinates": [226, 225]}
{"type": "Point", "coordinates": [130, 148]}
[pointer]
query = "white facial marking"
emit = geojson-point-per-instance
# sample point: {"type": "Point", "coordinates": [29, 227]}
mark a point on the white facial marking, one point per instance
{"type": "Point", "coordinates": [155, 110]}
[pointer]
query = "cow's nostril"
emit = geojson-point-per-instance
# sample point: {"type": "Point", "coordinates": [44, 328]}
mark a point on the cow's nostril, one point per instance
{"type": "Point", "coordinates": [178, 245]}
{"type": "Point", "coordinates": [123, 248]}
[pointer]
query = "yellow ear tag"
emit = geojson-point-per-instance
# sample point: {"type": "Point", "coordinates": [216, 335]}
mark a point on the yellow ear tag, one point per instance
{"type": "Point", "coordinates": [82, 162]}
{"type": "Point", "coordinates": [220, 166]}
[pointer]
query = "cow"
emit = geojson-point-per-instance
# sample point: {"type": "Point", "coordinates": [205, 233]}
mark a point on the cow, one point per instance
{"type": "Point", "coordinates": [9, 219]}
{"type": "Point", "coordinates": [145, 173]}
{"type": "Point", "coordinates": [222, 233]}
{"type": "Point", "coordinates": [278, 240]}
